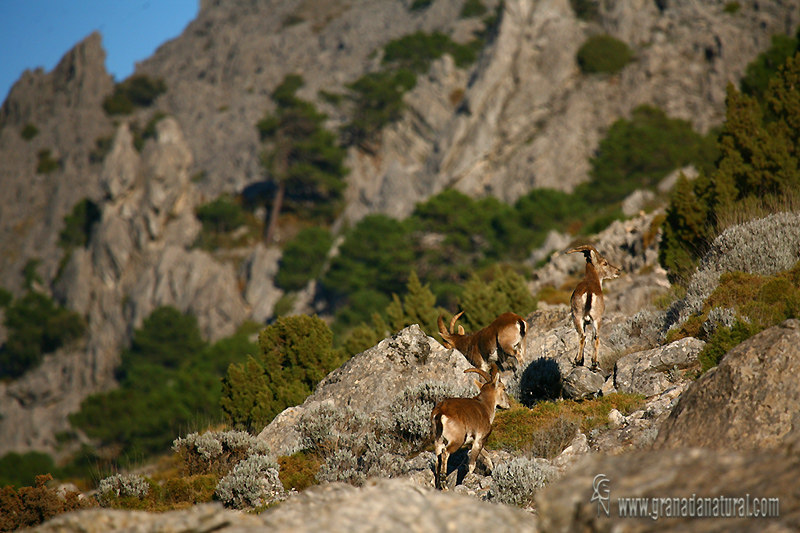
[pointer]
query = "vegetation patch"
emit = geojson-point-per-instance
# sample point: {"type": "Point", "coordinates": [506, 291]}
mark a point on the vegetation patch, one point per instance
{"type": "Point", "coordinates": [36, 326]}
{"type": "Point", "coordinates": [603, 54]}
{"type": "Point", "coordinates": [47, 163]}
{"type": "Point", "coordinates": [137, 91]}
{"type": "Point", "coordinates": [754, 168]}
{"type": "Point", "coordinates": [78, 224]}
{"type": "Point", "coordinates": [167, 377]}
{"type": "Point", "coordinates": [30, 506]}
{"type": "Point", "coordinates": [295, 353]}
{"type": "Point", "coordinates": [299, 470]}
{"type": "Point", "coordinates": [303, 258]}
{"type": "Point", "coordinates": [29, 131]}
{"type": "Point", "coordinates": [741, 306]}
{"type": "Point", "coordinates": [549, 427]}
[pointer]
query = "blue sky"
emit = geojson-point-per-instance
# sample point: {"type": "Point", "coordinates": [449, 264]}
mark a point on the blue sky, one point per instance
{"type": "Point", "coordinates": [37, 33]}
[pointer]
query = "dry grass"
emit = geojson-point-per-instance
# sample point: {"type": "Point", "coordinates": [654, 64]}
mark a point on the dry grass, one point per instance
{"type": "Point", "coordinates": [753, 208]}
{"type": "Point", "coordinates": [547, 428]}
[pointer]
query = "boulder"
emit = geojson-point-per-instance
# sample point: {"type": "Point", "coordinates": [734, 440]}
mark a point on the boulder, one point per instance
{"type": "Point", "coordinates": [653, 371]}
{"type": "Point", "coordinates": [582, 383]}
{"type": "Point", "coordinates": [370, 381]}
{"type": "Point", "coordinates": [749, 401]}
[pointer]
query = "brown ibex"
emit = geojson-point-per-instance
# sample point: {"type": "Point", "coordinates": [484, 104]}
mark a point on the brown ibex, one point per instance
{"type": "Point", "coordinates": [501, 342]}
{"type": "Point", "coordinates": [587, 300]}
{"type": "Point", "coordinates": [456, 422]}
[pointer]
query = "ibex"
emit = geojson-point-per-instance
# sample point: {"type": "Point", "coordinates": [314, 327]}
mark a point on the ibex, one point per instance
{"type": "Point", "coordinates": [587, 299]}
{"type": "Point", "coordinates": [501, 342]}
{"type": "Point", "coordinates": [456, 422]}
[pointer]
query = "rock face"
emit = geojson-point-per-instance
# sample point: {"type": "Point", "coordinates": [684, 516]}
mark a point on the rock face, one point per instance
{"type": "Point", "coordinates": [524, 116]}
{"type": "Point", "coordinates": [749, 401]}
{"type": "Point", "coordinates": [371, 380]}
{"type": "Point", "coordinates": [137, 259]}
{"type": "Point", "coordinates": [65, 106]}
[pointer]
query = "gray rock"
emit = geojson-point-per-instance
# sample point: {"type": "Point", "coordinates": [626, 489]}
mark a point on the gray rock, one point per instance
{"type": "Point", "coordinates": [653, 371]}
{"type": "Point", "coordinates": [340, 507]}
{"type": "Point", "coordinates": [567, 505]}
{"type": "Point", "coordinates": [370, 381]}
{"type": "Point", "coordinates": [582, 383]}
{"type": "Point", "coordinates": [635, 202]}
{"type": "Point", "coordinates": [749, 401]}
{"type": "Point", "coordinates": [259, 270]}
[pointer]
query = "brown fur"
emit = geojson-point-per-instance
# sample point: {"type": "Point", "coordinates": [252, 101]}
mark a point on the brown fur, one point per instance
{"type": "Point", "coordinates": [587, 300]}
{"type": "Point", "coordinates": [456, 422]}
{"type": "Point", "coordinates": [501, 342]}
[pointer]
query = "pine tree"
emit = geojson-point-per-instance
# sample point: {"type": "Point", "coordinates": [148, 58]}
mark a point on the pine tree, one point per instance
{"type": "Point", "coordinates": [302, 157]}
{"type": "Point", "coordinates": [500, 290]}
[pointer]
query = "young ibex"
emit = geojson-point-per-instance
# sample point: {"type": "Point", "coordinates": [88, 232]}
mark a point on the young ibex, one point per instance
{"type": "Point", "coordinates": [587, 299]}
{"type": "Point", "coordinates": [456, 422]}
{"type": "Point", "coordinates": [501, 342]}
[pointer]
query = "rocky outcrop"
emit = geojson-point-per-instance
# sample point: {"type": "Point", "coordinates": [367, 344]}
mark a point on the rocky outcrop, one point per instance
{"type": "Point", "coordinates": [653, 371]}
{"type": "Point", "coordinates": [370, 381]}
{"type": "Point", "coordinates": [65, 106]}
{"type": "Point", "coordinates": [138, 258]}
{"type": "Point", "coordinates": [749, 401]}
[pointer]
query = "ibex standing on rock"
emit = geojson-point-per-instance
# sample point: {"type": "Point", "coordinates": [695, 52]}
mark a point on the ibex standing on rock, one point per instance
{"type": "Point", "coordinates": [501, 342]}
{"type": "Point", "coordinates": [587, 299]}
{"type": "Point", "coordinates": [456, 422]}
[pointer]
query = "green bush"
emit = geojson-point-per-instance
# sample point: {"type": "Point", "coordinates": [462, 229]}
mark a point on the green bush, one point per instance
{"type": "Point", "coordinates": [473, 8]}
{"type": "Point", "coordinates": [29, 131]}
{"type": "Point", "coordinates": [419, 5]}
{"type": "Point", "coordinates": [732, 8]}
{"type": "Point", "coordinates": [137, 91]}
{"type": "Point", "coordinates": [766, 65]}
{"type": "Point", "coordinates": [78, 224]}
{"type": "Point", "coordinates": [21, 470]}
{"type": "Point", "coordinates": [36, 326]}
{"type": "Point", "coordinates": [588, 10]}
{"type": "Point", "coordinates": [296, 352]}
{"type": "Point", "coordinates": [603, 54]}
{"type": "Point", "coordinates": [375, 255]}
{"type": "Point", "coordinates": [303, 258]}
{"type": "Point", "coordinates": [168, 377]}
{"type": "Point", "coordinates": [221, 215]}
{"type": "Point", "coordinates": [5, 298]}
{"type": "Point", "coordinates": [639, 152]}
{"type": "Point", "coordinates": [47, 163]}
{"type": "Point", "coordinates": [748, 304]}
{"type": "Point", "coordinates": [496, 291]}
{"type": "Point", "coordinates": [377, 101]}
{"type": "Point", "coordinates": [415, 52]}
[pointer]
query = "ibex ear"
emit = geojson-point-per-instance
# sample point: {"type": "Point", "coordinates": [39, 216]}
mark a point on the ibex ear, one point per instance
{"type": "Point", "coordinates": [477, 383]}
{"type": "Point", "coordinates": [460, 329]}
